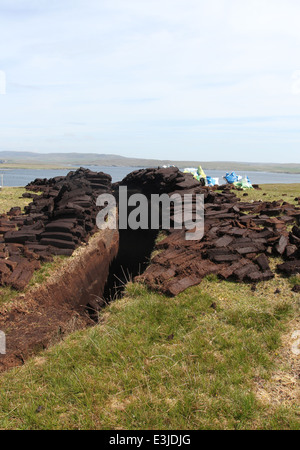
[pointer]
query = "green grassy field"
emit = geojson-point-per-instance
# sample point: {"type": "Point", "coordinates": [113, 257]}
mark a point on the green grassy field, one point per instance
{"type": "Point", "coordinates": [272, 192]}
{"type": "Point", "coordinates": [218, 356]}
{"type": "Point", "coordinates": [12, 196]}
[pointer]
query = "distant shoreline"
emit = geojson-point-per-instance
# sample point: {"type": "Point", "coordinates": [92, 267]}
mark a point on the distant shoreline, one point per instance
{"type": "Point", "coordinates": [70, 161]}
{"type": "Point", "coordinates": [36, 167]}
{"type": "Point", "coordinates": [226, 167]}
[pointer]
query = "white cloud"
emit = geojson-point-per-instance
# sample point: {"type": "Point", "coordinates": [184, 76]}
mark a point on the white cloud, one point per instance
{"type": "Point", "coordinates": [131, 70]}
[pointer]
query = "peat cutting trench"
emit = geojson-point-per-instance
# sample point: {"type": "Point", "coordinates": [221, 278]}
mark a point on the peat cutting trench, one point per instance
{"type": "Point", "coordinates": [239, 239]}
{"type": "Point", "coordinates": [135, 248]}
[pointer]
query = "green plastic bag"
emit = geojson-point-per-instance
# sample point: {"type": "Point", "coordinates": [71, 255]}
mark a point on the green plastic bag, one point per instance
{"type": "Point", "coordinates": [200, 172]}
{"type": "Point", "coordinates": [244, 183]}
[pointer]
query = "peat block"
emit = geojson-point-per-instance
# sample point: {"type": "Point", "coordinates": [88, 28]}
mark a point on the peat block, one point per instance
{"type": "Point", "coordinates": [290, 267]}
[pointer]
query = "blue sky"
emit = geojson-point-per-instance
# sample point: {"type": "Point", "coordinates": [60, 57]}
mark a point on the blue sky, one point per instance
{"type": "Point", "coordinates": [178, 79]}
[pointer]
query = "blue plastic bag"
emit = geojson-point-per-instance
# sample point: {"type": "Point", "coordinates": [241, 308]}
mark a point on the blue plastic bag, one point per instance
{"type": "Point", "coordinates": [232, 177]}
{"type": "Point", "coordinates": [212, 181]}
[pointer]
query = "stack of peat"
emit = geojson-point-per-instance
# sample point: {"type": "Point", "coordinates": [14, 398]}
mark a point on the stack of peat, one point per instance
{"type": "Point", "coordinates": [239, 237]}
{"type": "Point", "coordinates": [55, 223]}
{"type": "Point", "coordinates": [158, 181]}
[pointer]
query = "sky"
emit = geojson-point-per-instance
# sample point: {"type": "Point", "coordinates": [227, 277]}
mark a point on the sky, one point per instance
{"type": "Point", "coordinates": [163, 79]}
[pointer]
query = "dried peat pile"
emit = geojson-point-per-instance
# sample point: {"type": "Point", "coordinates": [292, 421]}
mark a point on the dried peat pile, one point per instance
{"type": "Point", "coordinates": [55, 223]}
{"type": "Point", "coordinates": [158, 181]}
{"type": "Point", "coordinates": [239, 237]}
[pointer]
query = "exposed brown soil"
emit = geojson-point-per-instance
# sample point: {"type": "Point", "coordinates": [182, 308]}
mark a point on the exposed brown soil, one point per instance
{"type": "Point", "coordinates": [57, 222]}
{"type": "Point", "coordinates": [58, 306]}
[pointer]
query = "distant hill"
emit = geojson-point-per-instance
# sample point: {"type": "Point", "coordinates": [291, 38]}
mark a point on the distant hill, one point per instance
{"type": "Point", "coordinates": [26, 159]}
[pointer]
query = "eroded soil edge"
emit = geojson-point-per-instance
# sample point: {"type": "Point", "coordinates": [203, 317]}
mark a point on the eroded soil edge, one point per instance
{"type": "Point", "coordinates": [58, 306]}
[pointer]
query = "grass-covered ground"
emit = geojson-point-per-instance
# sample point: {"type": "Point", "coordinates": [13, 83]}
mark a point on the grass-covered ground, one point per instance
{"type": "Point", "coordinates": [204, 360]}
{"type": "Point", "coordinates": [272, 192]}
{"type": "Point", "coordinates": [218, 356]}
{"type": "Point", "coordinates": [12, 196]}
